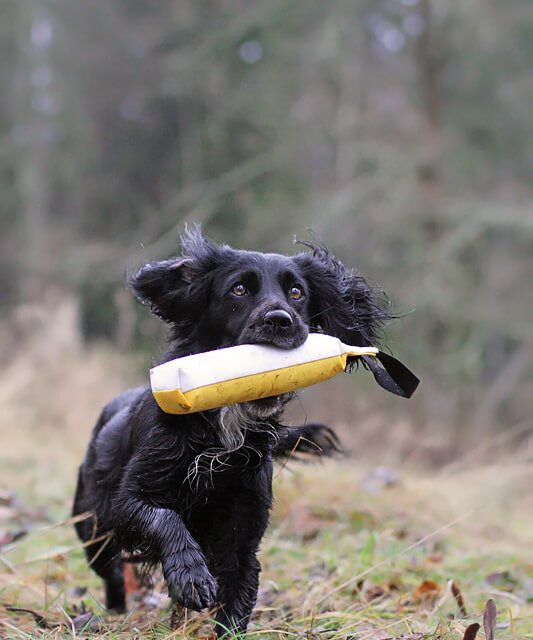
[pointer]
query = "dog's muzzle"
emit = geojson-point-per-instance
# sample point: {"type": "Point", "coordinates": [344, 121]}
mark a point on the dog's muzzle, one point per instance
{"type": "Point", "coordinates": [275, 326]}
{"type": "Point", "coordinates": [278, 319]}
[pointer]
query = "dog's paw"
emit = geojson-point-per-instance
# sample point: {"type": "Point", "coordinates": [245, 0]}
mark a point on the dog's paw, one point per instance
{"type": "Point", "coordinates": [192, 587]}
{"type": "Point", "coordinates": [321, 440]}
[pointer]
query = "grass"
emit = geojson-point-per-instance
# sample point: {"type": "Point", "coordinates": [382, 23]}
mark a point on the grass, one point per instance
{"type": "Point", "coordinates": [344, 558]}
{"type": "Point", "coordinates": [338, 561]}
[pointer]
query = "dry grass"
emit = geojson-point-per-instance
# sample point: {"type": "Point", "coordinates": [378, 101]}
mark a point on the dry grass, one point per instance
{"type": "Point", "coordinates": [345, 557]}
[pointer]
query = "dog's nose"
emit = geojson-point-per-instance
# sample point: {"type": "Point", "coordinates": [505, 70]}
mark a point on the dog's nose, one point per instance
{"type": "Point", "coordinates": [278, 319]}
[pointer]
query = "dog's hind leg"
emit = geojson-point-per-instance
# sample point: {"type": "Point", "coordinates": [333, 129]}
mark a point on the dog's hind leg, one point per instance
{"type": "Point", "coordinates": [107, 563]}
{"type": "Point", "coordinates": [104, 558]}
{"type": "Point", "coordinates": [103, 555]}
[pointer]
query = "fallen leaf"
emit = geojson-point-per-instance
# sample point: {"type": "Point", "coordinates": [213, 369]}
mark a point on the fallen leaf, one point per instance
{"type": "Point", "coordinates": [489, 619]}
{"type": "Point", "coordinates": [374, 592]}
{"type": "Point", "coordinates": [131, 583]}
{"type": "Point", "coordinates": [426, 593]}
{"type": "Point", "coordinates": [459, 599]}
{"type": "Point", "coordinates": [471, 631]}
{"type": "Point", "coordinates": [10, 537]}
{"type": "Point", "coordinates": [434, 558]}
{"type": "Point", "coordinates": [356, 591]}
{"type": "Point", "coordinates": [502, 580]}
{"type": "Point", "coordinates": [40, 620]}
{"type": "Point", "coordinates": [88, 621]}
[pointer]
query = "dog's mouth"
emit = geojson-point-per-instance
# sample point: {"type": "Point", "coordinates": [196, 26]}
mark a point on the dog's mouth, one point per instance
{"type": "Point", "coordinates": [267, 407]}
{"type": "Point", "coordinates": [287, 337]}
{"type": "Point", "coordinates": [280, 342]}
{"type": "Point", "coordinates": [283, 336]}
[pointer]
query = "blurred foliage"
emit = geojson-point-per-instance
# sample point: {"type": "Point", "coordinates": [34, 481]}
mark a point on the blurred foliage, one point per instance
{"type": "Point", "coordinates": [398, 130]}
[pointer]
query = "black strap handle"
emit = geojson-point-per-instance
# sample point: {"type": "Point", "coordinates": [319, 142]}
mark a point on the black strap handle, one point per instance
{"type": "Point", "coordinates": [392, 375]}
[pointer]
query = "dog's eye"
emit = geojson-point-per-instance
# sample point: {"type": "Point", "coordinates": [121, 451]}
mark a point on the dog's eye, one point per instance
{"type": "Point", "coordinates": [239, 289]}
{"type": "Point", "coordinates": [295, 293]}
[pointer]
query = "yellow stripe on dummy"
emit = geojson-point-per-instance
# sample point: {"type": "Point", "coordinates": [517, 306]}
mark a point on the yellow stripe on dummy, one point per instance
{"type": "Point", "coordinates": [263, 384]}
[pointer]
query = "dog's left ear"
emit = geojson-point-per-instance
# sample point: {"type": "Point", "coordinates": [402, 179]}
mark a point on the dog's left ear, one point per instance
{"type": "Point", "coordinates": [342, 303]}
{"type": "Point", "coordinates": [164, 286]}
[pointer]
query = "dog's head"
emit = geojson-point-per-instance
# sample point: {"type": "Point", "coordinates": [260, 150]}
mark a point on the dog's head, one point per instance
{"type": "Point", "coordinates": [215, 296]}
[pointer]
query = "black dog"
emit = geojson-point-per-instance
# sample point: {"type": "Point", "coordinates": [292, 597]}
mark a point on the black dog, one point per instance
{"type": "Point", "coordinates": [193, 492]}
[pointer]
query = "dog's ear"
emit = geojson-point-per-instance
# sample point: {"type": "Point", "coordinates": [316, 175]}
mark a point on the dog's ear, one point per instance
{"type": "Point", "coordinates": [163, 285]}
{"type": "Point", "coordinates": [342, 303]}
{"type": "Point", "coordinates": [177, 289]}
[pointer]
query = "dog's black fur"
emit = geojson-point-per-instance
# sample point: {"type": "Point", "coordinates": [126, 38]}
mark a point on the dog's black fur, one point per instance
{"type": "Point", "coordinates": [193, 492]}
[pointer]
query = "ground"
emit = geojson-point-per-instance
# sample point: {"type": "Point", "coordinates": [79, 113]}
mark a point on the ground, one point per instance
{"type": "Point", "coordinates": [353, 551]}
{"type": "Point", "coordinates": [345, 557]}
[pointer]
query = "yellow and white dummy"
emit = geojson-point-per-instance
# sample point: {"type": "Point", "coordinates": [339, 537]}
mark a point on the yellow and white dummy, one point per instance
{"type": "Point", "coordinates": [246, 372]}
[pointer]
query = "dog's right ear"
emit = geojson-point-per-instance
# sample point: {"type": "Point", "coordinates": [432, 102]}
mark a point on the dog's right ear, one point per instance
{"type": "Point", "coordinates": [164, 286]}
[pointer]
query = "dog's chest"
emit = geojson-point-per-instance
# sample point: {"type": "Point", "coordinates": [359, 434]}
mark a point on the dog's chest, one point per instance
{"type": "Point", "coordinates": [228, 487]}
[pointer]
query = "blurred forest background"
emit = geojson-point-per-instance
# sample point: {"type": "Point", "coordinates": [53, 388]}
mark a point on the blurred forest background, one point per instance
{"type": "Point", "coordinates": [400, 131]}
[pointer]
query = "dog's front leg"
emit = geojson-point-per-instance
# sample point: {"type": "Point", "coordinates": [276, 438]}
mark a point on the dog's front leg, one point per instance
{"type": "Point", "coordinates": [188, 579]}
{"type": "Point", "coordinates": [237, 592]}
{"type": "Point", "coordinates": [234, 551]}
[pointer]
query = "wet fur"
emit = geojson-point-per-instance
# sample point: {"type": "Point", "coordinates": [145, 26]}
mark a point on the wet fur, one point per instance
{"type": "Point", "coordinates": [193, 492]}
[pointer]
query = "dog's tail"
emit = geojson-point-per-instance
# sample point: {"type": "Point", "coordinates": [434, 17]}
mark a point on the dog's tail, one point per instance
{"type": "Point", "coordinates": [312, 439]}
